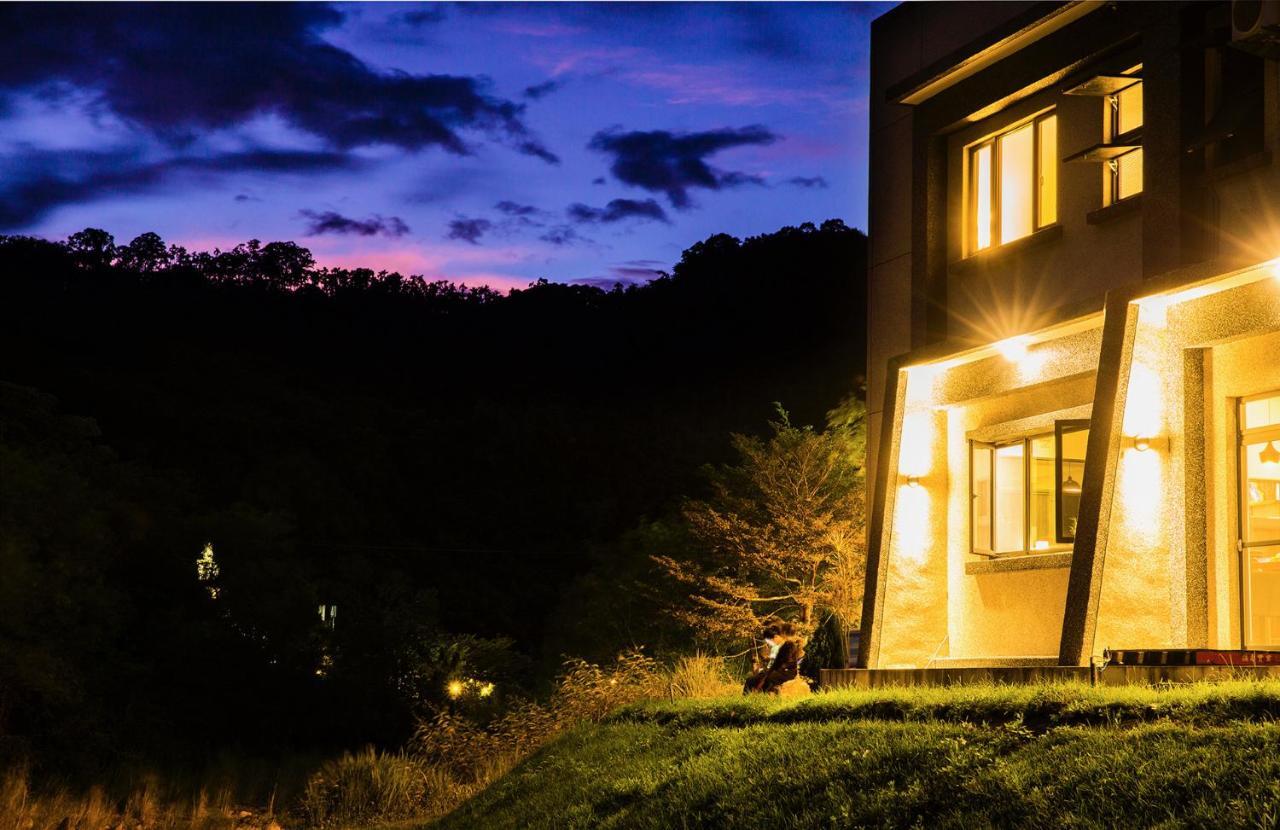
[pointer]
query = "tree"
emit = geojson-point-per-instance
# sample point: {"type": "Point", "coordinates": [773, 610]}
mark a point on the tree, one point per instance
{"type": "Point", "coordinates": [92, 247]}
{"type": "Point", "coordinates": [145, 254]}
{"type": "Point", "coordinates": [781, 534]}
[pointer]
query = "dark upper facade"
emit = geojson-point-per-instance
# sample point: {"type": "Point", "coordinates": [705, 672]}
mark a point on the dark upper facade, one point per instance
{"type": "Point", "coordinates": [1197, 100]}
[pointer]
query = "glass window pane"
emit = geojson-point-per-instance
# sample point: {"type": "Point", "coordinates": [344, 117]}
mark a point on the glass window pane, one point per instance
{"type": "Point", "coordinates": [1130, 115]}
{"type": "Point", "coordinates": [1262, 491]}
{"type": "Point", "coordinates": [1048, 128]}
{"type": "Point", "coordinates": [981, 497]}
{"type": "Point", "coordinates": [1263, 412]}
{"type": "Point", "coordinates": [1044, 529]}
{"type": "Point", "coordinates": [1262, 588]}
{"type": "Point", "coordinates": [1129, 181]}
{"type": "Point", "coordinates": [982, 197]}
{"type": "Point", "coordinates": [1075, 443]}
{"type": "Point", "coordinates": [1017, 166]}
{"type": "Point", "coordinates": [1010, 499]}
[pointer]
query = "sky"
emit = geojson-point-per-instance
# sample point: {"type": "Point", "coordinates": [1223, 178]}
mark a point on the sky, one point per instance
{"type": "Point", "coordinates": [484, 143]}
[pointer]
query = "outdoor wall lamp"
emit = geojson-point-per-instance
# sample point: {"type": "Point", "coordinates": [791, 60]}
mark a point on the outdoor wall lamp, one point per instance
{"type": "Point", "coordinates": [913, 481]}
{"type": "Point", "coordinates": [1142, 443]}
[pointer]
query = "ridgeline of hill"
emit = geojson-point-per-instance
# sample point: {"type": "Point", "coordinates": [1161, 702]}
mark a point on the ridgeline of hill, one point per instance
{"type": "Point", "coordinates": [1202, 756]}
{"type": "Point", "coordinates": [473, 480]}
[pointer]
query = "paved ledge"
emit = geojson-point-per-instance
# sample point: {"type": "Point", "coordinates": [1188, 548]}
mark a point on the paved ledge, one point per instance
{"type": "Point", "coordinates": [1110, 676]}
{"type": "Point", "coordinates": [1029, 562]}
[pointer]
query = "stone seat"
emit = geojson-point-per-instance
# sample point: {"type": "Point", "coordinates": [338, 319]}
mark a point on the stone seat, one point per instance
{"type": "Point", "coordinates": [795, 687]}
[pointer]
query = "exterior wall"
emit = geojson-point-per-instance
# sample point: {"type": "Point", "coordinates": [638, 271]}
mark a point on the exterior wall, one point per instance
{"type": "Point", "coordinates": [905, 42]}
{"type": "Point", "coordinates": [1149, 585]}
{"type": "Point", "coordinates": [1154, 564]}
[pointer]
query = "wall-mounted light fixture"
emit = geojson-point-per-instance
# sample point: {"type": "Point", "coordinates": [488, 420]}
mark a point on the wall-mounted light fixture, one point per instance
{"type": "Point", "coordinates": [1013, 349]}
{"type": "Point", "coordinates": [1142, 443]}
{"type": "Point", "coordinates": [913, 481]}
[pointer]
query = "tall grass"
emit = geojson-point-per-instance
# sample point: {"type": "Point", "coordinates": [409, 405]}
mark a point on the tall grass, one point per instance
{"type": "Point", "coordinates": [701, 676]}
{"type": "Point", "coordinates": [150, 806]}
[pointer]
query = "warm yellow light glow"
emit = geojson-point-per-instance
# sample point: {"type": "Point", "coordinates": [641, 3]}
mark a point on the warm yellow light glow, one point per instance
{"type": "Point", "coordinates": [1142, 444]}
{"type": "Point", "coordinates": [1031, 367]}
{"type": "Point", "coordinates": [1275, 268]}
{"type": "Point", "coordinates": [486, 689]}
{"type": "Point", "coordinates": [1013, 348]}
{"type": "Point", "coordinates": [1141, 487]}
{"type": "Point", "coordinates": [913, 481]}
{"type": "Point", "coordinates": [915, 451]}
{"type": "Point", "coordinates": [455, 689]}
{"type": "Point", "coordinates": [911, 524]}
{"type": "Point", "coordinates": [982, 198]}
{"type": "Point", "coordinates": [1048, 166]}
{"type": "Point", "coordinates": [1144, 404]}
{"type": "Point", "coordinates": [1017, 197]}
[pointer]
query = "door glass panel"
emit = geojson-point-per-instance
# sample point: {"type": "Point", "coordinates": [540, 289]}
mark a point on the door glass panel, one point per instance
{"type": "Point", "coordinates": [981, 498]}
{"type": "Point", "coordinates": [1262, 586]}
{"type": "Point", "coordinates": [1009, 498]}
{"type": "Point", "coordinates": [1261, 497]}
{"type": "Point", "coordinates": [1041, 508]}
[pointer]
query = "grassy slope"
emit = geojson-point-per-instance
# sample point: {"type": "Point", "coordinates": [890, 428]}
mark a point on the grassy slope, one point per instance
{"type": "Point", "coordinates": [1202, 756]}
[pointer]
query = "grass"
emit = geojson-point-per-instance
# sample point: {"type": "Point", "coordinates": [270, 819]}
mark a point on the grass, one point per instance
{"type": "Point", "coordinates": [1204, 755]}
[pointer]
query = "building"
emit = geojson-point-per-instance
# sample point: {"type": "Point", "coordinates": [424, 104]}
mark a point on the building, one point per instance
{"type": "Point", "coordinates": [1074, 334]}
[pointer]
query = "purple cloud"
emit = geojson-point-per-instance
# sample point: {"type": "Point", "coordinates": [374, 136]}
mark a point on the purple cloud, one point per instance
{"type": "Point", "coordinates": [618, 210]}
{"type": "Point", "coordinates": [330, 222]}
{"type": "Point", "coordinates": [673, 163]}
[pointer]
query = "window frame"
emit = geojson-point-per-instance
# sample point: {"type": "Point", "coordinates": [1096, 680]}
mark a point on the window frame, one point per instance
{"type": "Point", "coordinates": [1246, 436]}
{"type": "Point", "coordinates": [1060, 428]}
{"type": "Point", "coordinates": [1025, 441]}
{"type": "Point", "coordinates": [971, 185]}
{"type": "Point", "coordinates": [1134, 136]}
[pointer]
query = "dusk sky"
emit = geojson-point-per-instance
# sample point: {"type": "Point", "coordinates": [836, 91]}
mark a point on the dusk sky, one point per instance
{"type": "Point", "coordinates": [483, 143]}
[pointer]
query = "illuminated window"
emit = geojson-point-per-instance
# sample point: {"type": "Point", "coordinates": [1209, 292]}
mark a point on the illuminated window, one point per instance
{"type": "Point", "coordinates": [1260, 519]}
{"type": "Point", "coordinates": [1013, 183]}
{"type": "Point", "coordinates": [1124, 116]}
{"type": "Point", "coordinates": [1025, 494]}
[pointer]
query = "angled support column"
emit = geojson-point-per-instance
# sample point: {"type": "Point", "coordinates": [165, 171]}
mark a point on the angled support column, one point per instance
{"type": "Point", "coordinates": [880, 530]}
{"type": "Point", "coordinates": [1084, 587]}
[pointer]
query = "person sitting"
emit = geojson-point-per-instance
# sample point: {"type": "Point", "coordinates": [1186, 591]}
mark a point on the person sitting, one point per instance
{"type": "Point", "coordinates": [785, 664]}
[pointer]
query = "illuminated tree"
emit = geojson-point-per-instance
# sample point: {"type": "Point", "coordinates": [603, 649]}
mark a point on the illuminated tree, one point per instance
{"type": "Point", "coordinates": [781, 534]}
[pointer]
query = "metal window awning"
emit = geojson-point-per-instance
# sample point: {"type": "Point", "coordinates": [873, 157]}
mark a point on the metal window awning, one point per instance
{"type": "Point", "coordinates": [1102, 152]}
{"type": "Point", "coordinates": [1100, 85]}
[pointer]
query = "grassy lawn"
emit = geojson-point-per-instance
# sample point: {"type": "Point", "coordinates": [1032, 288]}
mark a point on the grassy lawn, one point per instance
{"type": "Point", "coordinates": [1049, 756]}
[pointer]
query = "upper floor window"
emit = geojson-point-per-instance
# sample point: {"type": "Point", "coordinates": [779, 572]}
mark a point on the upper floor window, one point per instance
{"type": "Point", "coordinates": [1123, 173]}
{"type": "Point", "coordinates": [1025, 493]}
{"type": "Point", "coordinates": [1013, 183]}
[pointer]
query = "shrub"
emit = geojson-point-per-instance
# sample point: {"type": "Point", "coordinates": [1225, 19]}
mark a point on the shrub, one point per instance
{"type": "Point", "coordinates": [367, 786]}
{"type": "Point", "coordinates": [701, 676]}
{"type": "Point", "coordinates": [474, 755]}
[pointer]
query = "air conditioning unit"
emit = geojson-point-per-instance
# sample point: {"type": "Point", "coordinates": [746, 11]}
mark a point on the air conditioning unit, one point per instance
{"type": "Point", "coordinates": [1255, 27]}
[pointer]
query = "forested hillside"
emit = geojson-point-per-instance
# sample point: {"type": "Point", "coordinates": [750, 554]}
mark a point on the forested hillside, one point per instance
{"type": "Point", "coordinates": [447, 466]}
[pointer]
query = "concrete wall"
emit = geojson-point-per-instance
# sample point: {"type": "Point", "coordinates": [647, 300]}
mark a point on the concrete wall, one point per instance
{"type": "Point", "coordinates": [1171, 545]}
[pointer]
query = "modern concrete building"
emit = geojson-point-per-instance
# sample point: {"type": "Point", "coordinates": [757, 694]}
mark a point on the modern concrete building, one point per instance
{"type": "Point", "coordinates": [1074, 334]}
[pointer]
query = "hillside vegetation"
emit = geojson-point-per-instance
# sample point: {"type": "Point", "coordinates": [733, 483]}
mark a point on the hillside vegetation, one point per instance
{"type": "Point", "coordinates": [1050, 756]}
